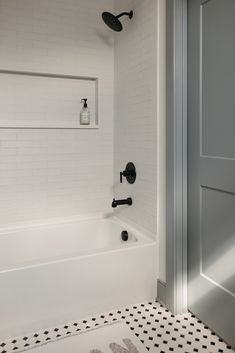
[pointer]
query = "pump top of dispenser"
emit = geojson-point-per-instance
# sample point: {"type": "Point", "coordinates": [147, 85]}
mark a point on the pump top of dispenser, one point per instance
{"type": "Point", "coordinates": [84, 101]}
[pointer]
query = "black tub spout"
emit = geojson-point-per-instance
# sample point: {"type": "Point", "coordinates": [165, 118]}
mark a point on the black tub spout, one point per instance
{"type": "Point", "coordinates": [127, 201]}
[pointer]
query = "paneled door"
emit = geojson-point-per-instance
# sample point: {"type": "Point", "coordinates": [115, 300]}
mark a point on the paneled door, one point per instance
{"type": "Point", "coordinates": [211, 164]}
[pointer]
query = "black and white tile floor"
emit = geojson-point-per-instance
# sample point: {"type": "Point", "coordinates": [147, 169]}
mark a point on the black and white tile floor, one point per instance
{"type": "Point", "coordinates": [154, 325]}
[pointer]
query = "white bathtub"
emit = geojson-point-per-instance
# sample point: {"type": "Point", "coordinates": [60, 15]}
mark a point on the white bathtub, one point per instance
{"type": "Point", "coordinates": [56, 273]}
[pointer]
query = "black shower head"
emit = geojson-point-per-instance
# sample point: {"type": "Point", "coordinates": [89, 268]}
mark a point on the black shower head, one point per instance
{"type": "Point", "coordinates": [113, 22]}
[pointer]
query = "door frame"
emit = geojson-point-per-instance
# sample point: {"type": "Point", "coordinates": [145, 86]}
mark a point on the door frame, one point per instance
{"type": "Point", "coordinates": [176, 155]}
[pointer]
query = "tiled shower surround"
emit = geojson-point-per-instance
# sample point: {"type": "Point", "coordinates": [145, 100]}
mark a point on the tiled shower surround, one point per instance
{"type": "Point", "coordinates": [135, 110]}
{"type": "Point", "coordinates": [54, 173]}
{"type": "Point", "coordinates": [138, 115]}
{"type": "Point", "coordinates": [57, 173]}
{"type": "Point", "coordinates": [154, 325]}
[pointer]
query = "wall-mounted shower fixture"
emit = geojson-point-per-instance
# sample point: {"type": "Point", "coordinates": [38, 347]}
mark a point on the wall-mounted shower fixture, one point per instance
{"type": "Point", "coordinates": [113, 22]}
{"type": "Point", "coordinates": [129, 173]}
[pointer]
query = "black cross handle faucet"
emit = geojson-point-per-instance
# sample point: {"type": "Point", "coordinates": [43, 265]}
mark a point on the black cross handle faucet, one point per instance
{"type": "Point", "coordinates": [129, 173]}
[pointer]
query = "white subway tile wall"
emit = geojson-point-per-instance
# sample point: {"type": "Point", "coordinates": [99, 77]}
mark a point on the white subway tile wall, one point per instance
{"type": "Point", "coordinates": [135, 117]}
{"type": "Point", "coordinates": [54, 173]}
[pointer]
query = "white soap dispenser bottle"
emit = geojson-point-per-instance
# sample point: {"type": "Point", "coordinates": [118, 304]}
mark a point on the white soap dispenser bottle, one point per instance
{"type": "Point", "coordinates": [85, 113]}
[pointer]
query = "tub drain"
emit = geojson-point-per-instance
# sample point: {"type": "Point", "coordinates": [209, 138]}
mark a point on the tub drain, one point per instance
{"type": "Point", "coordinates": [124, 235]}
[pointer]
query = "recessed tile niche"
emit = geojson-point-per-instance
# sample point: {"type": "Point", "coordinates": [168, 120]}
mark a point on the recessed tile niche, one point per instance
{"type": "Point", "coordinates": [41, 100]}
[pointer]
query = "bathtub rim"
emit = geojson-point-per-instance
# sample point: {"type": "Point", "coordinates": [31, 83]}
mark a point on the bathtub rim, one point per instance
{"type": "Point", "coordinates": [27, 225]}
{"type": "Point", "coordinates": [142, 240]}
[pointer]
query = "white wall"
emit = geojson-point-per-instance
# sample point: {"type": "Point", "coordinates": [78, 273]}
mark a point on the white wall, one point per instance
{"type": "Point", "coordinates": [53, 173]}
{"type": "Point", "coordinates": [139, 115]}
{"type": "Point", "coordinates": [135, 110]}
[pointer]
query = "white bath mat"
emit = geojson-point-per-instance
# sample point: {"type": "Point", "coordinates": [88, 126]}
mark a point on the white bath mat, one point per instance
{"type": "Point", "coordinates": [114, 338]}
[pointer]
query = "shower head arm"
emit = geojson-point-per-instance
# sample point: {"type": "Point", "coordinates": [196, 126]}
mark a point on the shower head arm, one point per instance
{"type": "Point", "coordinates": [130, 14]}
